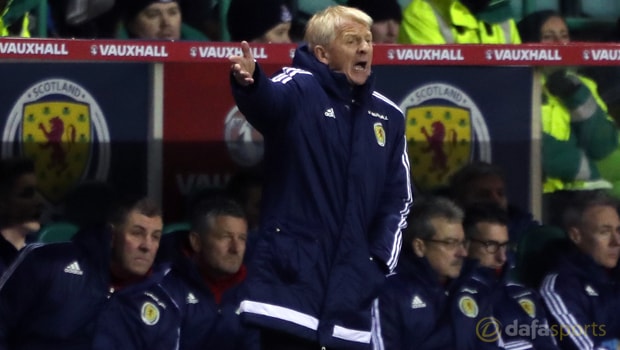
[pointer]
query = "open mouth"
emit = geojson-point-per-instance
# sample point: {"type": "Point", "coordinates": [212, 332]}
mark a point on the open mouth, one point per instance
{"type": "Point", "coordinates": [361, 65]}
{"type": "Point", "coordinates": [166, 35]}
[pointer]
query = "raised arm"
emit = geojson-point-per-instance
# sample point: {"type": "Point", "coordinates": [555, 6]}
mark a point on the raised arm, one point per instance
{"type": "Point", "coordinates": [243, 67]}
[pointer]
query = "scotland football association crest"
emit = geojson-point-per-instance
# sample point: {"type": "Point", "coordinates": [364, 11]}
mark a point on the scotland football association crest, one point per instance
{"type": "Point", "coordinates": [60, 126]}
{"type": "Point", "coordinates": [244, 143]}
{"type": "Point", "coordinates": [445, 130]}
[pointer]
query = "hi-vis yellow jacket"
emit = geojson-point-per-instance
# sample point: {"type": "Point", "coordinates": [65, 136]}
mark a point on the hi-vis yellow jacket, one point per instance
{"type": "Point", "coordinates": [4, 30]}
{"type": "Point", "coordinates": [430, 22]}
{"type": "Point", "coordinates": [577, 133]}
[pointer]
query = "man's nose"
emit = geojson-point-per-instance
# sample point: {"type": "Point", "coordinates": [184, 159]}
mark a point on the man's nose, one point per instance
{"type": "Point", "coordinates": [461, 251]}
{"type": "Point", "coordinates": [235, 245]}
{"type": "Point", "coordinates": [500, 255]}
{"type": "Point", "coordinates": [615, 238]}
{"type": "Point", "coordinates": [147, 244]}
{"type": "Point", "coordinates": [393, 27]}
{"type": "Point", "coordinates": [166, 21]}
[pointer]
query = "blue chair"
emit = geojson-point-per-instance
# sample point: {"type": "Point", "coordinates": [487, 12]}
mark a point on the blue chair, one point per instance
{"type": "Point", "coordinates": [57, 232]}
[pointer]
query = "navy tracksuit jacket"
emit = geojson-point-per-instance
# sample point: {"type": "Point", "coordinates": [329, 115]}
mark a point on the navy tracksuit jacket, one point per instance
{"type": "Point", "coordinates": [58, 296]}
{"type": "Point", "coordinates": [583, 298]}
{"type": "Point", "coordinates": [415, 311]}
{"type": "Point", "coordinates": [206, 324]}
{"type": "Point", "coordinates": [519, 310]}
{"type": "Point", "coordinates": [335, 201]}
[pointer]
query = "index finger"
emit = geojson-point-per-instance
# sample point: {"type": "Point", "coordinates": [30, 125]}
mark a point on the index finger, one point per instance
{"type": "Point", "coordinates": [245, 48]}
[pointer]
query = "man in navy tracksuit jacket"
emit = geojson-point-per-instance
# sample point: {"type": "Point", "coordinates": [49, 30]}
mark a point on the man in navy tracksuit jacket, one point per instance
{"type": "Point", "coordinates": [518, 309]}
{"type": "Point", "coordinates": [581, 291]}
{"type": "Point", "coordinates": [578, 291]}
{"type": "Point", "coordinates": [64, 296]}
{"type": "Point", "coordinates": [418, 312]}
{"type": "Point", "coordinates": [431, 302]}
{"type": "Point", "coordinates": [337, 189]}
{"type": "Point", "coordinates": [206, 277]}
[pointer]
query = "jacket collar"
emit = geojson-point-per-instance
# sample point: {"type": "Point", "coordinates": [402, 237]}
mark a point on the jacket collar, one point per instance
{"type": "Point", "coordinates": [586, 266]}
{"type": "Point", "coordinates": [335, 83]}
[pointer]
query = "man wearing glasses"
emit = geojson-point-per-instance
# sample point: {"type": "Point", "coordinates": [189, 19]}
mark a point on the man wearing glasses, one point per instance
{"type": "Point", "coordinates": [429, 303]}
{"type": "Point", "coordinates": [517, 309]}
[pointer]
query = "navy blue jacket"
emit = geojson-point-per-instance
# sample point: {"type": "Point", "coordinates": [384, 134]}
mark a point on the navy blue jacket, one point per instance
{"type": "Point", "coordinates": [579, 292]}
{"type": "Point", "coordinates": [206, 324]}
{"type": "Point", "coordinates": [519, 310]}
{"type": "Point", "coordinates": [59, 296]}
{"type": "Point", "coordinates": [8, 253]}
{"type": "Point", "coordinates": [335, 201]}
{"type": "Point", "coordinates": [416, 312]}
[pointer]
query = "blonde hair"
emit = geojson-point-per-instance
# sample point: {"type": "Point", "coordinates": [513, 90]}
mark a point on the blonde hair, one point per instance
{"type": "Point", "coordinates": [323, 26]}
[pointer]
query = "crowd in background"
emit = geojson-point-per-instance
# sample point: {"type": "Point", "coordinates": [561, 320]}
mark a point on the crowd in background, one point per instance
{"type": "Point", "coordinates": [235, 20]}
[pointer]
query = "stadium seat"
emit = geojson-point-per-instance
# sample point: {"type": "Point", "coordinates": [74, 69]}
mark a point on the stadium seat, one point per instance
{"type": "Point", "coordinates": [57, 232]}
{"type": "Point", "coordinates": [536, 251]}
{"type": "Point", "coordinates": [601, 8]}
{"type": "Point", "coordinates": [176, 227]}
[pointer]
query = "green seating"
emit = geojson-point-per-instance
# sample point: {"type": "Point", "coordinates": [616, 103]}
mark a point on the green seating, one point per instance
{"type": "Point", "coordinates": [536, 251]}
{"type": "Point", "coordinates": [57, 232]}
{"type": "Point", "coordinates": [176, 227]}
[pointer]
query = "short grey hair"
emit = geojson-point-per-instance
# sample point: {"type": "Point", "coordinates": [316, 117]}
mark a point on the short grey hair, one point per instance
{"type": "Point", "coordinates": [204, 212]}
{"type": "Point", "coordinates": [582, 201]}
{"type": "Point", "coordinates": [426, 209]}
{"type": "Point", "coordinates": [323, 26]}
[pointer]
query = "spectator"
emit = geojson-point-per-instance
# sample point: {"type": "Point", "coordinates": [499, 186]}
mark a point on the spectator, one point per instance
{"type": "Point", "coordinates": [577, 132]}
{"type": "Point", "coordinates": [202, 15]}
{"type": "Point", "coordinates": [207, 272]}
{"type": "Point", "coordinates": [513, 304]}
{"type": "Point", "coordinates": [273, 25]}
{"type": "Point", "coordinates": [13, 24]}
{"type": "Point", "coordinates": [100, 291]}
{"type": "Point", "coordinates": [21, 206]}
{"type": "Point", "coordinates": [156, 20]}
{"type": "Point", "coordinates": [582, 287]}
{"type": "Point", "coordinates": [386, 17]}
{"type": "Point", "coordinates": [88, 19]}
{"type": "Point", "coordinates": [482, 182]}
{"type": "Point", "coordinates": [429, 22]}
{"type": "Point", "coordinates": [430, 303]}
{"type": "Point", "coordinates": [337, 188]}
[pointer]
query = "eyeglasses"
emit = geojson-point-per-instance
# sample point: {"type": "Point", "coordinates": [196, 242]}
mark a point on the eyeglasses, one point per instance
{"type": "Point", "coordinates": [491, 246]}
{"type": "Point", "coordinates": [451, 244]}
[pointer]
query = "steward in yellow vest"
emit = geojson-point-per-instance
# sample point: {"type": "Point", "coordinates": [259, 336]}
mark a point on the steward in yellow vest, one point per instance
{"type": "Point", "coordinates": [430, 22]}
{"type": "Point", "coordinates": [22, 28]}
{"type": "Point", "coordinates": [576, 133]}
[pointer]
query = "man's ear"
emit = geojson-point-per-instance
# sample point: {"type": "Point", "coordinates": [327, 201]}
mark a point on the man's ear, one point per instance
{"type": "Point", "coordinates": [574, 234]}
{"type": "Point", "coordinates": [194, 241]}
{"type": "Point", "coordinates": [321, 54]}
{"type": "Point", "coordinates": [419, 248]}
